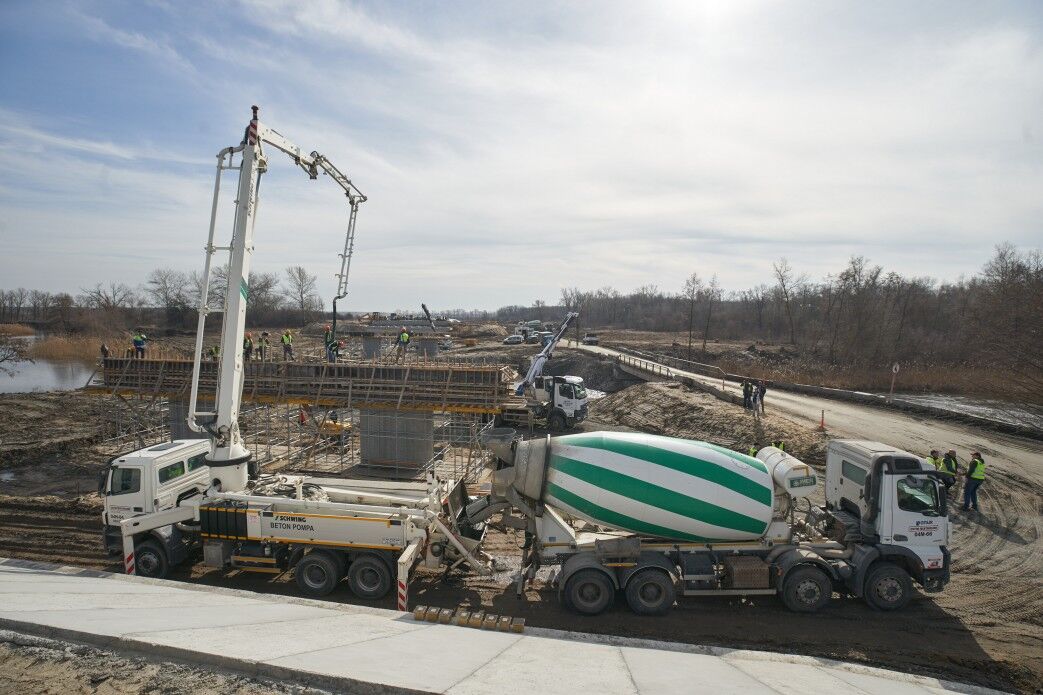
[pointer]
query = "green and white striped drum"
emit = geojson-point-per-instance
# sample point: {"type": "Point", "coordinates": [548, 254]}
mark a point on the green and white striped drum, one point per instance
{"type": "Point", "coordinates": [676, 489]}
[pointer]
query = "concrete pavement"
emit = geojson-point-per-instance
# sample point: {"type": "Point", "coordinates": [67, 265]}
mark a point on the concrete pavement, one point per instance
{"type": "Point", "coordinates": [367, 650]}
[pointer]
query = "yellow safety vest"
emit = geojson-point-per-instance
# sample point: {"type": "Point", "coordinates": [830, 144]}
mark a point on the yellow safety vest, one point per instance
{"type": "Point", "coordinates": [753, 451]}
{"type": "Point", "coordinates": [403, 338]}
{"type": "Point", "coordinates": [977, 467]}
{"type": "Point", "coordinates": [287, 339]}
{"type": "Point", "coordinates": [936, 462]}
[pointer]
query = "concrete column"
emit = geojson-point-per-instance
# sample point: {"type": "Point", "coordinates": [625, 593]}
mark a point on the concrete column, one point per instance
{"type": "Point", "coordinates": [396, 439]}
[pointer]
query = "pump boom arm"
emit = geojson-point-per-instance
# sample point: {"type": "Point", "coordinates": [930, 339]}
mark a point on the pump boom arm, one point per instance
{"type": "Point", "coordinates": [536, 369]}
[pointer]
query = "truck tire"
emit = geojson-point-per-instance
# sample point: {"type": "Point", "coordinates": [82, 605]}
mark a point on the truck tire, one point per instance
{"type": "Point", "coordinates": [806, 589]}
{"type": "Point", "coordinates": [369, 577]}
{"type": "Point", "coordinates": [317, 574]}
{"type": "Point", "coordinates": [650, 592]}
{"type": "Point", "coordinates": [888, 587]}
{"type": "Point", "coordinates": [589, 592]}
{"type": "Point", "coordinates": [150, 560]}
{"type": "Point", "coordinates": [556, 422]}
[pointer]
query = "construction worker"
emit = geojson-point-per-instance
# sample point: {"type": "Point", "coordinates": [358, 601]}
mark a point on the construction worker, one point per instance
{"type": "Point", "coordinates": [935, 459]}
{"type": "Point", "coordinates": [949, 467]}
{"type": "Point", "coordinates": [747, 393]}
{"type": "Point", "coordinates": [248, 346]}
{"type": "Point", "coordinates": [752, 451]}
{"type": "Point", "coordinates": [287, 345]}
{"type": "Point", "coordinates": [104, 351]}
{"type": "Point", "coordinates": [402, 343]}
{"type": "Point", "coordinates": [779, 444]}
{"type": "Point", "coordinates": [328, 342]}
{"type": "Point", "coordinates": [263, 343]}
{"type": "Point", "coordinates": [975, 477]}
{"type": "Point", "coordinates": [215, 352]}
{"type": "Point", "coordinates": [139, 341]}
{"type": "Point", "coordinates": [762, 389]}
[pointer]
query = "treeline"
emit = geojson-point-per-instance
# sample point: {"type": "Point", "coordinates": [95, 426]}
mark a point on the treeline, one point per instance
{"type": "Point", "coordinates": [169, 298]}
{"type": "Point", "coordinates": [859, 316]}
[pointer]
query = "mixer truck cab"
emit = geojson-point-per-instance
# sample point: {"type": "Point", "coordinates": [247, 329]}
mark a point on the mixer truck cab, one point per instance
{"type": "Point", "coordinates": [654, 518]}
{"type": "Point", "coordinates": [150, 480]}
{"type": "Point", "coordinates": [564, 400]}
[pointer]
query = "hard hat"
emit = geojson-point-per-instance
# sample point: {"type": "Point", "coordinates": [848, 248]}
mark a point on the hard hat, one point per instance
{"type": "Point", "coordinates": [327, 326]}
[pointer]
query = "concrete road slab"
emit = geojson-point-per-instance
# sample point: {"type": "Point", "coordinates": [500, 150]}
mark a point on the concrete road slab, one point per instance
{"type": "Point", "coordinates": [433, 659]}
{"type": "Point", "coordinates": [59, 600]}
{"type": "Point", "coordinates": [123, 621]}
{"type": "Point", "coordinates": [522, 669]}
{"type": "Point", "coordinates": [660, 671]}
{"type": "Point", "coordinates": [283, 638]}
{"type": "Point", "coordinates": [352, 647]}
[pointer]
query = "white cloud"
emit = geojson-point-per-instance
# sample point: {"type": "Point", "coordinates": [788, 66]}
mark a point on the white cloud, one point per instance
{"type": "Point", "coordinates": [508, 151]}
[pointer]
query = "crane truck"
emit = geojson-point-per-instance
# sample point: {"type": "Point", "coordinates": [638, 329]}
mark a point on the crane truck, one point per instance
{"type": "Point", "coordinates": [559, 401]}
{"type": "Point", "coordinates": [656, 517]}
{"type": "Point", "coordinates": [164, 503]}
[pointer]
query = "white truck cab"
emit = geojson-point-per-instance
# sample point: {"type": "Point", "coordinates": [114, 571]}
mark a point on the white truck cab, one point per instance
{"type": "Point", "coordinates": [150, 480]}
{"type": "Point", "coordinates": [563, 400]}
{"type": "Point", "coordinates": [894, 501]}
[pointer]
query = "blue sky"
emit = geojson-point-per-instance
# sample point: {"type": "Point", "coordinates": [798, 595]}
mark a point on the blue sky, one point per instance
{"type": "Point", "coordinates": [511, 149]}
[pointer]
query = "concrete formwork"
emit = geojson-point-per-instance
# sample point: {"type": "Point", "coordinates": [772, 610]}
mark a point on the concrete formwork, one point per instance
{"type": "Point", "coordinates": [392, 439]}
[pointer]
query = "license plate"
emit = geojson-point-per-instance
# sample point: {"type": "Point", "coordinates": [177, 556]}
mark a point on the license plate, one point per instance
{"type": "Point", "coordinates": [806, 481]}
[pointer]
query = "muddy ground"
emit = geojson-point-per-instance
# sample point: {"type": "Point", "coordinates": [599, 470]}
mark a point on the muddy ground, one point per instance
{"type": "Point", "coordinates": [986, 628]}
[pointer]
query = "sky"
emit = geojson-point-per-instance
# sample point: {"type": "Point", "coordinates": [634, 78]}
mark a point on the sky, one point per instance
{"type": "Point", "coordinates": [512, 149]}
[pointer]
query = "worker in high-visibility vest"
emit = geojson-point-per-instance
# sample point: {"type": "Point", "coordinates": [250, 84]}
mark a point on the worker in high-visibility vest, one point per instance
{"type": "Point", "coordinates": [752, 451]}
{"type": "Point", "coordinates": [287, 345]}
{"type": "Point", "coordinates": [139, 344]}
{"type": "Point", "coordinates": [779, 444]}
{"type": "Point", "coordinates": [935, 459]}
{"type": "Point", "coordinates": [248, 346]}
{"type": "Point", "coordinates": [402, 343]}
{"type": "Point", "coordinates": [975, 477]}
{"type": "Point", "coordinates": [942, 466]}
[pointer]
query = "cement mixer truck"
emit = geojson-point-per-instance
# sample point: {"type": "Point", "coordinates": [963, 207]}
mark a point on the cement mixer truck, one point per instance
{"type": "Point", "coordinates": [655, 517]}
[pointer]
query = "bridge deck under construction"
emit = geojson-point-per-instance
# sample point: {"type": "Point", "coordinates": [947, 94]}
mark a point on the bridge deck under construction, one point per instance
{"type": "Point", "coordinates": [424, 386]}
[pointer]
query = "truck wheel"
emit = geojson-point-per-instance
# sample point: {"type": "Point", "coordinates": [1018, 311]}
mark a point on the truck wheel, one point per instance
{"type": "Point", "coordinates": [806, 589]}
{"type": "Point", "coordinates": [650, 592]}
{"type": "Point", "coordinates": [589, 592]}
{"type": "Point", "coordinates": [556, 422]}
{"type": "Point", "coordinates": [150, 560]}
{"type": "Point", "coordinates": [888, 587]}
{"type": "Point", "coordinates": [369, 577]}
{"type": "Point", "coordinates": [317, 574]}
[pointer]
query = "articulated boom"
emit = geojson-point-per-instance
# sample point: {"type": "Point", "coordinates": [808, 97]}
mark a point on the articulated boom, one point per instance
{"type": "Point", "coordinates": [228, 457]}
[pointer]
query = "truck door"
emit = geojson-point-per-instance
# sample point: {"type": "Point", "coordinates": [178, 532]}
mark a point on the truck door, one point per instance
{"type": "Point", "coordinates": [916, 511]}
{"type": "Point", "coordinates": [566, 399]}
{"type": "Point", "coordinates": [125, 496]}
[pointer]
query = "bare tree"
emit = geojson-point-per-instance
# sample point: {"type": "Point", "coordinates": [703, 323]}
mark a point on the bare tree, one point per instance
{"type": "Point", "coordinates": [693, 287]}
{"type": "Point", "coordinates": [786, 282]}
{"type": "Point", "coordinates": [11, 351]}
{"type": "Point", "coordinates": [115, 295]}
{"type": "Point", "coordinates": [712, 294]}
{"type": "Point", "coordinates": [301, 291]}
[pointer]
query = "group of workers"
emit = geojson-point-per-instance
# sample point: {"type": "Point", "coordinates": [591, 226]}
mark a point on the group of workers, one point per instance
{"type": "Point", "coordinates": [974, 475]}
{"type": "Point", "coordinates": [259, 349]}
{"type": "Point", "coordinates": [753, 395]}
{"type": "Point", "coordinates": [755, 447]}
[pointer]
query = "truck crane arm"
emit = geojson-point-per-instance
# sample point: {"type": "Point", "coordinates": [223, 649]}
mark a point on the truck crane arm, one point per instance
{"type": "Point", "coordinates": [538, 362]}
{"type": "Point", "coordinates": [229, 459]}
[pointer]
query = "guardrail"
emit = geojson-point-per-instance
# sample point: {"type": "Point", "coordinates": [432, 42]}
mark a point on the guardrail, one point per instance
{"type": "Point", "coordinates": [645, 365]}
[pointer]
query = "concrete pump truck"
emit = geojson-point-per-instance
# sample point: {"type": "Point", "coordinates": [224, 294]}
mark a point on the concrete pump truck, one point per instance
{"type": "Point", "coordinates": [164, 503]}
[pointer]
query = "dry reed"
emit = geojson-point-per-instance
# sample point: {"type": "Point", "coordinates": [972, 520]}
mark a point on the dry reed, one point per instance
{"type": "Point", "coordinates": [15, 329]}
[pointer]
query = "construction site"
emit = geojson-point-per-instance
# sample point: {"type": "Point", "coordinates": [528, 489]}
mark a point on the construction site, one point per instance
{"type": "Point", "coordinates": [489, 494]}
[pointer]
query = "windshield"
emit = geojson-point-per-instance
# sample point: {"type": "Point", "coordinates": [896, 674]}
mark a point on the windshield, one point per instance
{"type": "Point", "coordinates": [916, 494]}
